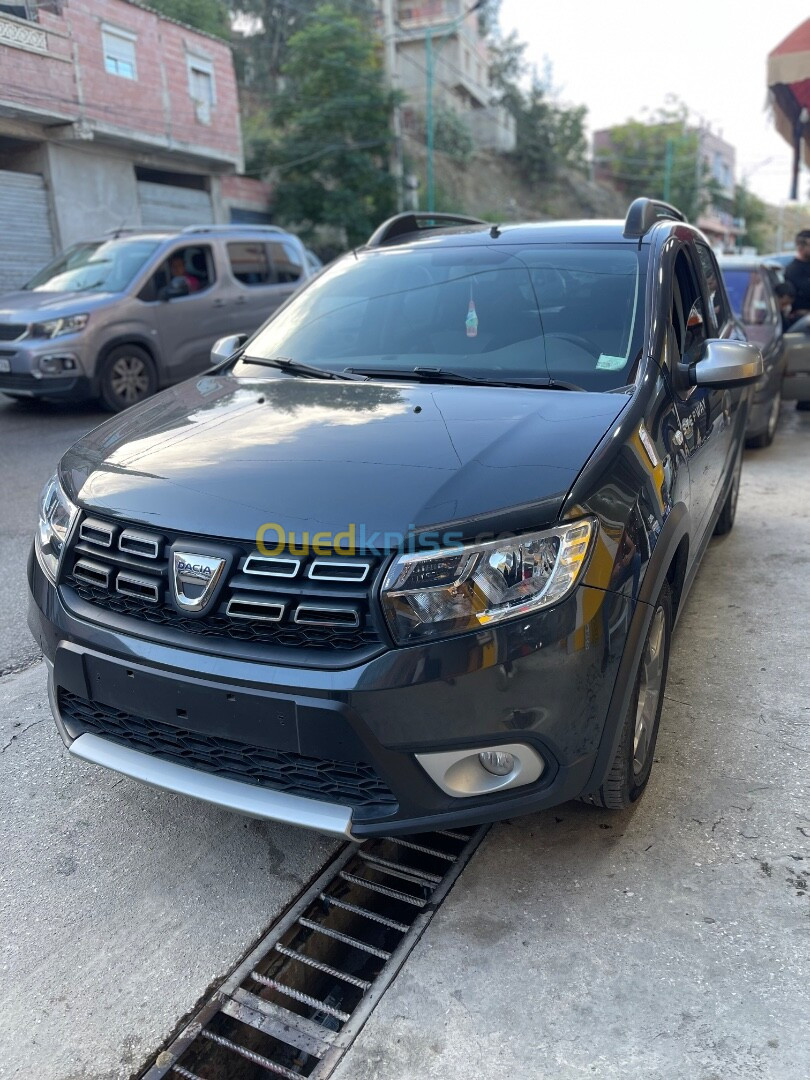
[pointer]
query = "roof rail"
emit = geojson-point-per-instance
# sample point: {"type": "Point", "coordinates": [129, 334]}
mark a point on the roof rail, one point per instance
{"type": "Point", "coordinates": [411, 222]}
{"type": "Point", "coordinates": [642, 214]}
{"type": "Point", "coordinates": [236, 227]}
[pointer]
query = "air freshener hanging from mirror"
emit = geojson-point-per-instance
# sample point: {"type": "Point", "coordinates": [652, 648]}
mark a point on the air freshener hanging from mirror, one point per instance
{"type": "Point", "coordinates": [471, 322]}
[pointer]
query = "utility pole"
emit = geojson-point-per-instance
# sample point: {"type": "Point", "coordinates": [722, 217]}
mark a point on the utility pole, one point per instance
{"type": "Point", "coordinates": [390, 54]}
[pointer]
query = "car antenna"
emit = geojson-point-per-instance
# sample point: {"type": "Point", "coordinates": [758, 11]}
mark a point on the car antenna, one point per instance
{"type": "Point", "coordinates": [495, 232]}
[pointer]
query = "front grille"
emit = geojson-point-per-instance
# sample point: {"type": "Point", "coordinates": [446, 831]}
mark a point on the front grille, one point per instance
{"type": "Point", "coordinates": [285, 602]}
{"type": "Point", "coordinates": [12, 331]}
{"type": "Point", "coordinates": [351, 783]}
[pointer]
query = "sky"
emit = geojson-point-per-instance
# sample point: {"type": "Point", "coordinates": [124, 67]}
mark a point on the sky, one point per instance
{"type": "Point", "coordinates": [618, 58]}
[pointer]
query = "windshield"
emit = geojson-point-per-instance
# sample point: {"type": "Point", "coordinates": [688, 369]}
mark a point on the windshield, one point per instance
{"type": "Point", "coordinates": [96, 267]}
{"type": "Point", "coordinates": [571, 313]}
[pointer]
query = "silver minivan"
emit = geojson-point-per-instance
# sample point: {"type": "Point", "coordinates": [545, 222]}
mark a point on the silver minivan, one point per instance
{"type": "Point", "coordinates": [120, 317]}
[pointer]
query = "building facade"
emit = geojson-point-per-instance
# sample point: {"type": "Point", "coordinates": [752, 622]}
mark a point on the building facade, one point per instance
{"type": "Point", "coordinates": [111, 116]}
{"type": "Point", "coordinates": [460, 69]}
{"type": "Point", "coordinates": [716, 164]}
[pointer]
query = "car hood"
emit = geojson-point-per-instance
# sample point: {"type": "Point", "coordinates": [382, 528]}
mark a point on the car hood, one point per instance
{"type": "Point", "coordinates": [28, 306]}
{"type": "Point", "coordinates": [221, 456]}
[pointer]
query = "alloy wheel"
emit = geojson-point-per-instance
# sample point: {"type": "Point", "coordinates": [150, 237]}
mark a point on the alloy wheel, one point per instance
{"type": "Point", "coordinates": [649, 690]}
{"type": "Point", "coordinates": [129, 379]}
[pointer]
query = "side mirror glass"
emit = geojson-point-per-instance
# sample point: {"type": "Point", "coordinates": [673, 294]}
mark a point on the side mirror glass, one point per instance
{"type": "Point", "coordinates": [801, 326]}
{"type": "Point", "coordinates": [727, 363]}
{"type": "Point", "coordinates": [225, 347]}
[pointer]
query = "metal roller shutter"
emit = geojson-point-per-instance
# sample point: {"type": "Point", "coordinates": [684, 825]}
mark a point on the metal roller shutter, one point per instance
{"type": "Point", "coordinates": [26, 242]}
{"type": "Point", "coordinates": [165, 206]}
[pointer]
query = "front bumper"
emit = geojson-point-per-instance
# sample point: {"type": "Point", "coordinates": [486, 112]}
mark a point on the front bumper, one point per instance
{"type": "Point", "coordinates": [545, 682]}
{"type": "Point", "coordinates": [26, 379]}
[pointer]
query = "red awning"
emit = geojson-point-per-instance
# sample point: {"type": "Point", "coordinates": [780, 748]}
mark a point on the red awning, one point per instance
{"type": "Point", "coordinates": [789, 90]}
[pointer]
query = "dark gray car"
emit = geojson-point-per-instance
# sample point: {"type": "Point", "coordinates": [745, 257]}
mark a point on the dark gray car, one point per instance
{"type": "Point", "coordinates": [119, 317]}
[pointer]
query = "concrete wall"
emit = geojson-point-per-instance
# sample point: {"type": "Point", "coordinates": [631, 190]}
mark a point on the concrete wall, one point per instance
{"type": "Point", "coordinates": [90, 192]}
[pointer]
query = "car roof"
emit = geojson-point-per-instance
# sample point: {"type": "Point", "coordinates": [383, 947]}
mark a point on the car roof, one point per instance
{"type": "Point", "coordinates": [592, 231]}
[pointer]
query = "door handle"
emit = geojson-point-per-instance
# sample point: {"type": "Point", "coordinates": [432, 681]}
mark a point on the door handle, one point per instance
{"type": "Point", "coordinates": [241, 300]}
{"type": "Point", "coordinates": [219, 303]}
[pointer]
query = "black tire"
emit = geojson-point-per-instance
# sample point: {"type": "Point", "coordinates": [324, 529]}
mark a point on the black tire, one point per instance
{"type": "Point", "coordinates": [725, 522]}
{"type": "Point", "coordinates": [629, 773]}
{"type": "Point", "coordinates": [128, 376]}
{"type": "Point", "coordinates": [759, 442]}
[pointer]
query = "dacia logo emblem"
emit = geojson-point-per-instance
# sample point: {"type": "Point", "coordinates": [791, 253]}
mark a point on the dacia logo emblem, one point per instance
{"type": "Point", "coordinates": [194, 579]}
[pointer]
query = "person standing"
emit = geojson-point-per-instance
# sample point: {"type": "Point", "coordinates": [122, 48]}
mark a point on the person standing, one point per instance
{"type": "Point", "coordinates": [798, 274]}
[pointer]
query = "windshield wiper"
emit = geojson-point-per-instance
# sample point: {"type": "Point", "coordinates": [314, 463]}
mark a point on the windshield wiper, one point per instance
{"type": "Point", "coordinates": [431, 374]}
{"type": "Point", "coordinates": [294, 368]}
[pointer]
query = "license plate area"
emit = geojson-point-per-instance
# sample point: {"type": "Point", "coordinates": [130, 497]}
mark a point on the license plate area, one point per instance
{"type": "Point", "coordinates": [210, 709]}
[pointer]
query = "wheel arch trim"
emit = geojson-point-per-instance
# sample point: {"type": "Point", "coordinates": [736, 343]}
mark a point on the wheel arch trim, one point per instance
{"type": "Point", "coordinates": [664, 555]}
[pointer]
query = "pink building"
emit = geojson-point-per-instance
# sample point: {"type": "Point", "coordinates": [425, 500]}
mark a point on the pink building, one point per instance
{"type": "Point", "coordinates": [111, 115]}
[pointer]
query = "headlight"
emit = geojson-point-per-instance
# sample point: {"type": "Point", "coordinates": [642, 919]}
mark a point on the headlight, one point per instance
{"type": "Point", "coordinates": [56, 516]}
{"type": "Point", "coordinates": [456, 590]}
{"type": "Point", "coordinates": [70, 324]}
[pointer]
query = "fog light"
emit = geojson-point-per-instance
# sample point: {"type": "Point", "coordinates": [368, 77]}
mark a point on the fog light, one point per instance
{"type": "Point", "coordinates": [56, 364]}
{"type": "Point", "coordinates": [497, 762]}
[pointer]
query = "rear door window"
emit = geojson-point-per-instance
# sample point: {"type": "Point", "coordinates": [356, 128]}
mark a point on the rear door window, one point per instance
{"type": "Point", "coordinates": [249, 263]}
{"type": "Point", "coordinates": [286, 260]}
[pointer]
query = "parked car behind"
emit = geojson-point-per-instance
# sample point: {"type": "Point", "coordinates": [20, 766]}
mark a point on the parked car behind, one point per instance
{"type": "Point", "coordinates": [412, 557]}
{"type": "Point", "coordinates": [750, 288]}
{"type": "Point", "coordinates": [118, 317]}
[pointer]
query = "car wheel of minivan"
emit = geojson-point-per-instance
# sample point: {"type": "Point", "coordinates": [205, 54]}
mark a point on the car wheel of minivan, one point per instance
{"type": "Point", "coordinates": [127, 376]}
{"type": "Point", "coordinates": [759, 442]}
{"type": "Point", "coordinates": [726, 520]}
{"type": "Point", "coordinates": [631, 767]}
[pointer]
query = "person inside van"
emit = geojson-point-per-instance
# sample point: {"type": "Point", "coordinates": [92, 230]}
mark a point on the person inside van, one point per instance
{"type": "Point", "coordinates": [786, 297]}
{"type": "Point", "coordinates": [177, 269]}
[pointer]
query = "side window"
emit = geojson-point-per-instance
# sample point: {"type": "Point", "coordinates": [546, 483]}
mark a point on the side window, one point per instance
{"type": "Point", "coordinates": [718, 313]}
{"type": "Point", "coordinates": [688, 311]}
{"type": "Point", "coordinates": [192, 263]}
{"type": "Point", "coordinates": [287, 263]}
{"type": "Point", "coordinates": [249, 263]}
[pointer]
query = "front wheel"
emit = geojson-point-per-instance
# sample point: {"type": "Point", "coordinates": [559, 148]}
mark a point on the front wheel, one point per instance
{"type": "Point", "coordinates": [725, 522]}
{"type": "Point", "coordinates": [630, 771]}
{"type": "Point", "coordinates": [128, 376]}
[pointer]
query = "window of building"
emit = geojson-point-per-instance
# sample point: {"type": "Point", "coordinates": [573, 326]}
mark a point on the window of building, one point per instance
{"type": "Point", "coordinates": [119, 52]}
{"type": "Point", "coordinates": [249, 263]}
{"type": "Point", "coordinates": [201, 87]}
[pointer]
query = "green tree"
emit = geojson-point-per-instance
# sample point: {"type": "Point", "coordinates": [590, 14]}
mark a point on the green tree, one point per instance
{"type": "Point", "coordinates": [333, 118]}
{"type": "Point", "coordinates": [755, 213]}
{"type": "Point", "coordinates": [452, 136]}
{"type": "Point", "coordinates": [212, 16]}
{"type": "Point", "coordinates": [660, 158]}
{"type": "Point", "coordinates": [550, 135]}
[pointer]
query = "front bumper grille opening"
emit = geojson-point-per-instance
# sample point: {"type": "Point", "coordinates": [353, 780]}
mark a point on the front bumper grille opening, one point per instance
{"type": "Point", "coordinates": [92, 573]}
{"type": "Point", "coordinates": [349, 783]}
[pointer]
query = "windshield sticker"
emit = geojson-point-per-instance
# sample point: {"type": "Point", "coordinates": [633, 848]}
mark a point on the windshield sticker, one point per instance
{"type": "Point", "coordinates": [471, 322]}
{"type": "Point", "coordinates": [610, 363]}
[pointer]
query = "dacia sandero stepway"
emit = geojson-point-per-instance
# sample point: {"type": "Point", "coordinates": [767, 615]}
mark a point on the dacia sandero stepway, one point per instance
{"type": "Point", "coordinates": [411, 556]}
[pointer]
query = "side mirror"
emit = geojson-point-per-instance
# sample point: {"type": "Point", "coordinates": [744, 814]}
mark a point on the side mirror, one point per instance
{"type": "Point", "coordinates": [801, 326]}
{"type": "Point", "coordinates": [225, 347]}
{"type": "Point", "coordinates": [178, 286]}
{"type": "Point", "coordinates": [726, 363]}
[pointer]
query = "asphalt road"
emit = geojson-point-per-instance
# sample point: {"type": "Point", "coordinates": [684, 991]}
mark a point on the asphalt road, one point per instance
{"type": "Point", "coordinates": [32, 439]}
{"type": "Point", "coordinates": [671, 941]}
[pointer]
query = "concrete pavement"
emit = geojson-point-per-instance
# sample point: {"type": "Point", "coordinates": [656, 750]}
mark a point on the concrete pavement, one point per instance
{"type": "Point", "coordinates": [119, 905]}
{"type": "Point", "coordinates": [670, 942]}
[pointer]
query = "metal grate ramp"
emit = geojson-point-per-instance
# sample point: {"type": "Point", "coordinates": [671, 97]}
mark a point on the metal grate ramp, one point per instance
{"type": "Point", "coordinates": [296, 1003]}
